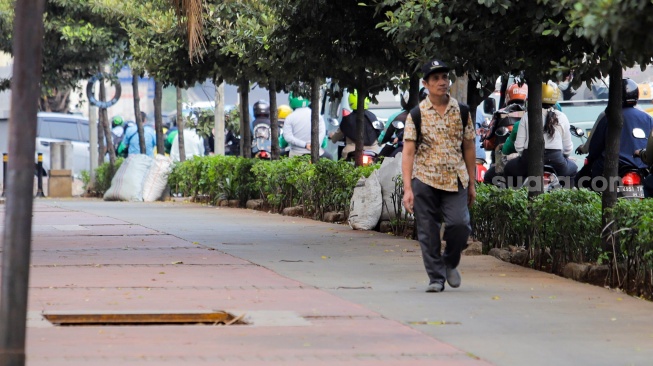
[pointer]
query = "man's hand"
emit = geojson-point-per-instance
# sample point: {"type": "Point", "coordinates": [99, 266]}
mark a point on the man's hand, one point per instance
{"type": "Point", "coordinates": [579, 151]}
{"type": "Point", "coordinates": [308, 146]}
{"type": "Point", "coordinates": [408, 200]}
{"type": "Point", "coordinates": [471, 194]}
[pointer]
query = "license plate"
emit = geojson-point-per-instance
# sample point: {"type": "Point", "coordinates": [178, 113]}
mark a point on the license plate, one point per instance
{"type": "Point", "coordinates": [630, 191]}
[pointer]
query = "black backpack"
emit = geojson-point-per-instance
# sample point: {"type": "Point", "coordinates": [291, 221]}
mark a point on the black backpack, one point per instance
{"type": "Point", "coordinates": [416, 115]}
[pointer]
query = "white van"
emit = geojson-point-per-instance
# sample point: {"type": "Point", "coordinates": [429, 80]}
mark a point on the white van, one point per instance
{"type": "Point", "coordinates": [55, 127]}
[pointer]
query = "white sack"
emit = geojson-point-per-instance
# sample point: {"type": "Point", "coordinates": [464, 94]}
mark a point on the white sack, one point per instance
{"type": "Point", "coordinates": [388, 172]}
{"type": "Point", "coordinates": [366, 204]}
{"type": "Point", "coordinates": [156, 179]}
{"type": "Point", "coordinates": [127, 184]}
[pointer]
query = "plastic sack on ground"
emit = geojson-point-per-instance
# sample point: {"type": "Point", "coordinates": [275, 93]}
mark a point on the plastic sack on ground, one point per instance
{"type": "Point", "coordinates": [366, 204]}
{"type": "Point", "coordinates": [127, 184]}
{"type": "Point", "coordinates": [156, 179]}
{"type": "Point", "coordinates": [388, 172]}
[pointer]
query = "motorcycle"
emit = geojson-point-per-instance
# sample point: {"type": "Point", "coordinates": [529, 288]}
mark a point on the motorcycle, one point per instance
{"type": "Point", "coordinates": [631, 178]}
{"type": "Point", "coordinates": [261, 143]}
{"type": "Point", "coordinates": [499, 128]}
{"type": "Point", "coordinates": [396, 129]}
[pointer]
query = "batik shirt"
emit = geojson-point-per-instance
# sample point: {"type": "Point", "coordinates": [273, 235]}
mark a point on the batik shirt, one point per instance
{"type": "Point", "coordinates": [439, 159]}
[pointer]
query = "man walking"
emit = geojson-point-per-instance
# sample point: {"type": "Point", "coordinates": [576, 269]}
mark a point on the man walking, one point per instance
{"type": "Point", "coordinates": [438, 173]}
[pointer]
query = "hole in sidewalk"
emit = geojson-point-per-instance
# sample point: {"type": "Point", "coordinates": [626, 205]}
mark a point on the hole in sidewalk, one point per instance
{"type": "Point", "coordinates": [113, 319]}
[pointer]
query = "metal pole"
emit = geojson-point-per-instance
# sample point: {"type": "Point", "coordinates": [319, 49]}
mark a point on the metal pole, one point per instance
{"type": "Point", "coordinates": [93, 145]}
{"type": "Point", "coordinates": [218, 137]}
{"type": "Point", "coordinates": [17, 236]}
{"type": "Point", "coordinates": [5, 158]}
{"type": "Point", "coordinates": [39, 167]}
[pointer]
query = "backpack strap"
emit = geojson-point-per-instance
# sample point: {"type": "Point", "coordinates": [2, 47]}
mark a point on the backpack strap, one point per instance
{"type": "Point", "coordinates": [464, 114]}
{"type": "Point", "coordinates": [416, 115]}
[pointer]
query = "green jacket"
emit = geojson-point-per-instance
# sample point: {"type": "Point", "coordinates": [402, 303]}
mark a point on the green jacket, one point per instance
{"type": "Point", "coordinates": [509, 145]}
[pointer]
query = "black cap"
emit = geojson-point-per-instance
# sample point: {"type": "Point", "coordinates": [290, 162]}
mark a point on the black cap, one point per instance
{"type": "Point", "coordinates": [434, 66]}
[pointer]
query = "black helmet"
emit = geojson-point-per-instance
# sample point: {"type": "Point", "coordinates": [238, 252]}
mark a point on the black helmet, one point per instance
{"type": "Point", "coordinates": [630, 93]}
{"type": "Point", "coordinates": [261, 109]}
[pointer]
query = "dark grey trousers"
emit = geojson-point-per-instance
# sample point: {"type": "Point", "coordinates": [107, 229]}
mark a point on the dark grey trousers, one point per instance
{"type": "Point", "coordinates": [430, 205]}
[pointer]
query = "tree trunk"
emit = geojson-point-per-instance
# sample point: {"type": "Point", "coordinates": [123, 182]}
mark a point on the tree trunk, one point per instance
{"type": "Point", "coordinates": [106, 127]}
{"type": "Point", "coordinates": [158, 118]}
{"type": "Point", "coordinates": [360, 117]}
{"type": "Point", "coordinates": [101, 140]}
{"type": "Point", "coordinates": [274, 122]}
{"type": "Point", "coordinates": [315, 120]}
{"type": "Point", "coordinates": [245, 129]}
{"type": "Point", "coordinates": [535, 135]}
{"type": "Point", "coordinates": [57, 102]}
{"type": "Point", "coordinates": [413, 90]}
{"type": "Point", "coordinates": [504, 87]}
{"type": "Point", "coordinates": [137, 113]}
{"type": "Point", "coordinates": [17, 233]}
{"type": "Point", "coordinates": [218, 136]}
{"type": "Point", "coordinates": [613, 137]}
{"type": "Point", "coordinates": [180, 127]}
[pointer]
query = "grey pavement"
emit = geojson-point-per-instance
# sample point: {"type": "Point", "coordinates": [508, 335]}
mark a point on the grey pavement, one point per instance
{"type": "Point", "coordinates": [503, 314]}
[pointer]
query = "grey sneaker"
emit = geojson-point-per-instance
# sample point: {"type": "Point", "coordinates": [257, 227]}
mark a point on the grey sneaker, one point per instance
{"type": "Point", "coordinates": [453, 277]}
{"type": "Point", "coordinates": [435, 287]}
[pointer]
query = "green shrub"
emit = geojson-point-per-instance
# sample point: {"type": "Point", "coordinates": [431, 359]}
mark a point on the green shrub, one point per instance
{"type": "Point", "coordinates": [631, 256]}
{"type": "Point", "coordinates": [568, 227]}
{"type": "Point", "coordinates": [500, 217]}
{"type": "Point", "coordinates": [103, 176]}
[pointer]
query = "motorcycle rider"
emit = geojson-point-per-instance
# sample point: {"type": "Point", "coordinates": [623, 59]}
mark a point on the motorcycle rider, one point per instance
{"type": "Point", "coordinates": [117, 130]}
{"type": "Point", "coordinates": [283, 111]}
{"type": "Point", "coordinates": [394, 130]}
{"type": "Point", "coordinates": [633, 118]}
{"type": "Point", "coordinates": [261, 127]}
{"type": "Point", "coordinates": [297, 128]}
{"type": "Point", "coordinates": [515, 94]}
{"type": "Point", "coordinates": [557, 141]}
{"type": "Point", "coordinates": [348, 129]}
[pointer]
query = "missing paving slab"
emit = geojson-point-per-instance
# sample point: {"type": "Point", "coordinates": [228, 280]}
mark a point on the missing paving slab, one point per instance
{"type": "Point", "coordinates": [120, 319]}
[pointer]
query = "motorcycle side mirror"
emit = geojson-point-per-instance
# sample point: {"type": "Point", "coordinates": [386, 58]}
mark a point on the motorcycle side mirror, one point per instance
{"type": "Point", "coordinates": [280, 131]}
{"type": "Point", "coordinates": [577, 132]}
{"type": "Point", "coordinates": [398, 124]}
{"type": "Point", "coordinates": [638, 133]}
{"type": "Point", "coordinates": [489, 106]}
{"type": "Point", "coordinates": [334, 122]}
{"type": "Point", "coordinates": [486, 123]}
{"type": "Point", "coordinates": [378, 125]}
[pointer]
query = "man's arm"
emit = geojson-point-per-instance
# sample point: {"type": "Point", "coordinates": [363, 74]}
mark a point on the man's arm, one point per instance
{"type": "Point", "coordinates": [597, 144]}
{"type": "Point", "coordinates": [469, 155]}
{"type": "Point", "coordinates": [289, 137]}
{"type": "Point", "coordinates": [585, 148]}
{"type": "Point", "coordinates": [407, 160]}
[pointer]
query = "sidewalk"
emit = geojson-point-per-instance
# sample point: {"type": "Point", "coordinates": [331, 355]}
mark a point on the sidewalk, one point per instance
{"type": "Point", "coordinates": [314, 294]}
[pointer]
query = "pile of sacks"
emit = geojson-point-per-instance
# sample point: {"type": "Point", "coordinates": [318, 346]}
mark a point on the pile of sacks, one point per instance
{"type": "Point", "coordinates": [140, 178]}
{"type": "Point", "coordinates": [372, 199]}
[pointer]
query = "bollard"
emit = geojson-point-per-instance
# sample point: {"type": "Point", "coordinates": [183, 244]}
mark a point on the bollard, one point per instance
{"type": "Point", "coordinates": [39, 167]}
{"type": "Point", "coordinates": [5, 159]}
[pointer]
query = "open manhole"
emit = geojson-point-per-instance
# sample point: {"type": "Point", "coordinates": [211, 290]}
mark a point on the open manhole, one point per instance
{"type": "Point", "coordinates": [175, 318]}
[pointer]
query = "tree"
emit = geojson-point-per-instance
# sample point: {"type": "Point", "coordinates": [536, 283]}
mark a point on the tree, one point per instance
{"type": "Point", "coordinates": [77, 39]}
{"type": "Point", "coordinates": [617, 28]}
{"type": "Point", "coordinates": [510, 35]}
{"type": "Point", "coordinates": [27, 37]}
{"type": "Point", "coordinates": [351, 51]}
